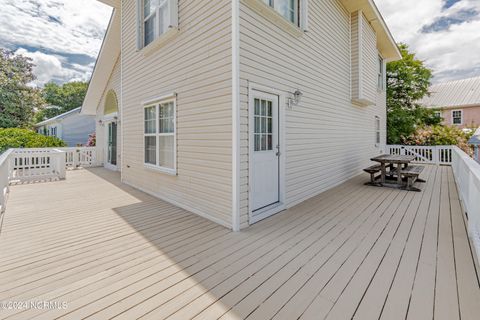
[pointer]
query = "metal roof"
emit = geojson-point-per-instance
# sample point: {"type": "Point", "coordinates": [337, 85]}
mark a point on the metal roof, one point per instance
{"type": "Point", "coordinates": [460, 93]}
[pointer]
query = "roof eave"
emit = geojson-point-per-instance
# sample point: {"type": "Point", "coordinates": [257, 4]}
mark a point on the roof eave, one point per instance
{"type": "Point", "coordinates": [104, 65]}
{"type": "Point", "coordinates": [385, 42]}
{"type": "Point", "coordinates": [112, 3]}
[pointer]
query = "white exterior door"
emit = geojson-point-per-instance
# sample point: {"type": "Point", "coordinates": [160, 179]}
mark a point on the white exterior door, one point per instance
{"type": "Point", "coordinates": [266, 152]}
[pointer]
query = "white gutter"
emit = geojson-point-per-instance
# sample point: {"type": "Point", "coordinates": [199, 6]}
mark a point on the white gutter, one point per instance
{"type": "Point", "coordinates": [236, 115]}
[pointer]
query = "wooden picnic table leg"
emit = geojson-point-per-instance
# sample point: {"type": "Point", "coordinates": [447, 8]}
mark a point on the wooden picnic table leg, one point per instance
{"type": "Point", "coordinates": [384, 172]}
{"type": "Point", "coordinates": [399, 174]}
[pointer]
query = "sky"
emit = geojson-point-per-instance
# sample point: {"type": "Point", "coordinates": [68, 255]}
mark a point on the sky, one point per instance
{"type": "Point", "coordinates": [63, 37]}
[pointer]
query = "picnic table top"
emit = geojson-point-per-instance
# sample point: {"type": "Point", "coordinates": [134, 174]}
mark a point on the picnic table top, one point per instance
{"type": "Point", "coordinates": [393, 158]}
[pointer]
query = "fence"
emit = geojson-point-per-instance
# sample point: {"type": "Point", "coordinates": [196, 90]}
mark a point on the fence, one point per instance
{"type": "Point", "coordinates": [424, 154]}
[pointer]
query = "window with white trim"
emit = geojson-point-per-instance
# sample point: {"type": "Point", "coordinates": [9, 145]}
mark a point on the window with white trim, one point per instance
{"type": "Point", "coordinates": [437, 114]}
{"type": "Point", "coordinates": [156, 17]}
{"type": "Point", "coordinates": [457, 117]}
{"type": "Point", "coordinates": [160, 135]}
{"type": "Point", "coordinates": [289, 9]}
{"type": "Point", "coordinates": [381, 74]}
{"type": "Point", "coordinates": [377, 131]}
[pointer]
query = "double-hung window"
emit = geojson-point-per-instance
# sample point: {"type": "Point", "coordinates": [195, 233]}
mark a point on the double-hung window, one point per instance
{"type": "Point", "coordinates": [457, 117]}
{"type": "Point", "coordinates": [289, 9]}
{"type": "Point", "coordinates": [156, 17]}
{"type": "Point", "coordinates": [377, 131]}
{"type": "Point", "coordinates": [160, 135]}
{"type": "Point", "coordinates": [381, 74]}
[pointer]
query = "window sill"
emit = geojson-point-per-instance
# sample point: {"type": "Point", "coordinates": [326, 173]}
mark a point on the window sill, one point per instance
{"type": "Point", "coordinates": [273, 16]}
{"type": "Point", "coordinates": [171, 172]}
{"type": "Point", "coordinates": [159, 42]}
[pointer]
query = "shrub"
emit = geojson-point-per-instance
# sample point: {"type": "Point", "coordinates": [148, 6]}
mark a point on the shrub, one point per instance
{"type": "Point", "coordinates": [92, 140]}
{"type": "Point", "coordinates": [24, 138]}
{"type": "Point", "coordinates": [440, 135]}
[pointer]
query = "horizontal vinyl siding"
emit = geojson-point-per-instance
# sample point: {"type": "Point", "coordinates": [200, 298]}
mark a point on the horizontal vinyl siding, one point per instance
{"type": "Point", "coordinates": [196, 65]}
{"type": "Point", "coordinates": [77, 128]}
{"type": "Point", "coordinates": [328, 140]}
{"type": "Point", "coordinates": [355, 54]}
{"type": "Point", "coordinates": [370, 61]}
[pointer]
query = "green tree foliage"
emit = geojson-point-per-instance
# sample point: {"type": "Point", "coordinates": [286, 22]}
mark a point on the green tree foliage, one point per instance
{"type": "Point", "coordinates": [61, 98]}
{"type": "Point", "coordinates": [18, 100]}
{"type": "Point", "coordinates": [408, 81]}
{"type": "Point", "coordinates": [24, 138]}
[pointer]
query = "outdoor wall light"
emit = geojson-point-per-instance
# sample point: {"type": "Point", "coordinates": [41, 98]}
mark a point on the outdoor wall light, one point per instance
{"type": "Point", "coordinates": [100, 122]}
{"type": "Point", "coordinates": [297, 97]}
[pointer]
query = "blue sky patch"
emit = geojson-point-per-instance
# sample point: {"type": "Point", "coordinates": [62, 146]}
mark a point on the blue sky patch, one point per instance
{"type": "Point", "coordinates": [444, 23]}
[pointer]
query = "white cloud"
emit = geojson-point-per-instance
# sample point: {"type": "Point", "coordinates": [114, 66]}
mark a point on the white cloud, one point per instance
{"type": "Point", "coordinates": [63, 37]}
{"type": "Point", "coordinates": [67, 26]}
{"type": "Point", "coordinates": [452, 52]}
{"type": "Point", "coordinates": [50, 67]}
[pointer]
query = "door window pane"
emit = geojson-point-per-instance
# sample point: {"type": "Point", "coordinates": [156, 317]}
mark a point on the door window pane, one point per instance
{"type": "Point", "coordinates": [150, 150]}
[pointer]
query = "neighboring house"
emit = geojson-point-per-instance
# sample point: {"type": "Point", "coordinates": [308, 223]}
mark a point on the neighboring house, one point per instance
{"type": "Point", "coordinates": [72, 127]}
{"type": "Point", "coordinates": [458, 102]}
{"type": "Point", "coordinates": [475, 142]}
{"type": "Point", "coordinates": [236, 110]}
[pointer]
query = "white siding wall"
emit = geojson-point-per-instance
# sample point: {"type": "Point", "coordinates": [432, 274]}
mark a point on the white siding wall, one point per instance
{"type": "Point", "coordinates": [195, 64]}
{"type": "Point", "coordinates": [113, 84]}
{"type": "Point", "coordinates": [328, 139]}
{"type": "Point", "coordinates": [370, 61]}
{"type": "Point", "coordinates": [364, 59]}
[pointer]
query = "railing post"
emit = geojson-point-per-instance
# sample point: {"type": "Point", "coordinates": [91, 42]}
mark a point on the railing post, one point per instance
{"type": "Point", "coordinates": [435, 155]}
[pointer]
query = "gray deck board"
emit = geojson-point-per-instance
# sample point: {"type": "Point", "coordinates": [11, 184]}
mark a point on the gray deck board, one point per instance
{"type": "Point", "coordinates": [110, 251]}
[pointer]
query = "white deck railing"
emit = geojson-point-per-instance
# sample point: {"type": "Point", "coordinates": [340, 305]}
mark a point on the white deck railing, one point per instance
{"type": "Point", "coordinates": [4, 179]}
{"type": "Point", "coordinates": [40, 164]}
{"type": "Point", "coordinates": [424, 154]}
{"type": "Point", "coordinates": [467, 176]}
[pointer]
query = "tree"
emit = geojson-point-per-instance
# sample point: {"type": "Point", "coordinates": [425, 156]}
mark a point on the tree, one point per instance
{"type": "Point", "coordinates": [408, 81]}
{"type": "Point", "coordinates": [61, 98]}
{"type": "Point", "coordinates": [18, 100]}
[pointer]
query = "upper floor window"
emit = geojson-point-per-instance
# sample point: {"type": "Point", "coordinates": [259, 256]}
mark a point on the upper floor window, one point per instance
{"type": "Point", "coordinates": [381, 74]}
{"type": "Point", "coordinates": [457, 117]}
{"type": "Point", "coordinates": [289, 9]}
{"type": "Point", "coordinates": [157, 17]}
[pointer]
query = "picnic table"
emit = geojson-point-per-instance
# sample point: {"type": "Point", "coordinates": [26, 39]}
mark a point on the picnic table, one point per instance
{"type": "Point", "coordinates": [396, 175]}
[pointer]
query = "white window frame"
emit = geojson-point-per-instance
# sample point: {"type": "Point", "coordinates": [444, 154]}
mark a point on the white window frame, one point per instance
{"type": "Point", "coordinates": [438, 113]}
{"type": "Point", "coordinates": [461, 117]}
{"type": "Point", "coordinates": [158, 38]}
{"type": "Point", "coordinates": [297, 12]}
{"type": "Point", "coordinates": [266, 8]}
{"type": "Point", "coordinates": [378, 131]}
{"type": "Point", "coordinates": [156, 103]}
{"type": "Point", "coordinates": [381, 73]}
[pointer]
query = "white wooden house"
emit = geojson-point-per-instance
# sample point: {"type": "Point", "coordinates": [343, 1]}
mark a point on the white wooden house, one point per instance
{"type": "Point", "coordinates": [238, 109]}
{"type": "Point", "coordinates": [72, 127]}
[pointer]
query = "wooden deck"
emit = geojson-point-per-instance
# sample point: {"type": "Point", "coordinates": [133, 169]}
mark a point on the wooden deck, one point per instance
{"type": "Point", "coordinates": [109, 251]}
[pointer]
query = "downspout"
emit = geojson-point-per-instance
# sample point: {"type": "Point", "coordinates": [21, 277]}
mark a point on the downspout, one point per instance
{"type": "Point", "coordinates": [122, 158]}
{"type": "Point", "coordinates": [236, 115]}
